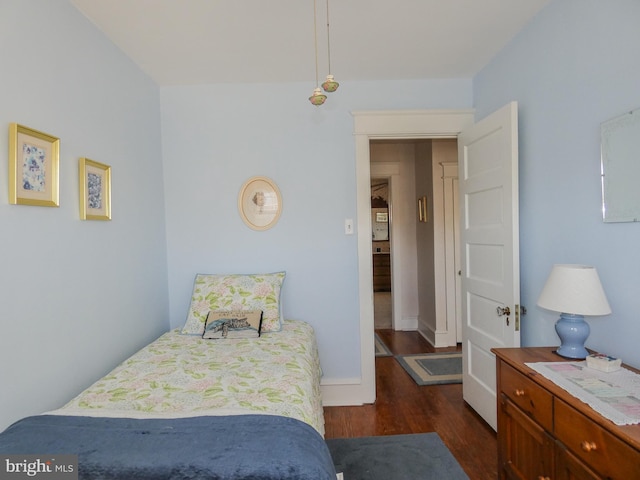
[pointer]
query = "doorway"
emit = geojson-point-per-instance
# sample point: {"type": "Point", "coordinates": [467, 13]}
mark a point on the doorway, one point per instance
{"type": "Point", "coordinates": [474, 154]}
{"type": "Point", "coordinates": [425, 253]}
{"type": "Point", "coordinates": [378, 126]}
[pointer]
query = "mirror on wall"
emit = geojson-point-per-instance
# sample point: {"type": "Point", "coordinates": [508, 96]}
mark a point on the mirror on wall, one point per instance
{"type": "Point", "coordinates": [380, 224]}
{"type": "Point", "coordinates": [620, 168]}
{"type": "Point", "coordinates": [380, 211]}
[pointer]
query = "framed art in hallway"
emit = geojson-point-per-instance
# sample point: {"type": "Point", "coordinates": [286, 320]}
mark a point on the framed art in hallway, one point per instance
{"type": "Point", "coordinates": [422, 210]}
{"type": "Point", "coordinates": [95, 190]}
{"type": "Point", "coordinates": [33, 167]}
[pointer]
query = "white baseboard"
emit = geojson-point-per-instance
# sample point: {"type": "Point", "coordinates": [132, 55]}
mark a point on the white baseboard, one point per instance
{"type": "Point", "coordinates": [407, 323]}
{"type": "Point", "coordinates": [427, 337]}
{"type": "Point", "coordinates": [435, 338]}
{"type": "Point", "coordinates": [342, 392]}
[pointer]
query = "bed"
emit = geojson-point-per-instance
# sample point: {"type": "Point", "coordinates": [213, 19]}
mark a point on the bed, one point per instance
{"type": "Point", "coordinates": [185, 407]}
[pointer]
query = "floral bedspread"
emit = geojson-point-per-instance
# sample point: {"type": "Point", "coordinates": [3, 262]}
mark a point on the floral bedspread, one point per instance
{"type": "Point", "coordinates": [181, 375]}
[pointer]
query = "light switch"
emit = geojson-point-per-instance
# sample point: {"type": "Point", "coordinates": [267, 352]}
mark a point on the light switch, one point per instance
{"type": "Point", "coordinates": [348, 226]}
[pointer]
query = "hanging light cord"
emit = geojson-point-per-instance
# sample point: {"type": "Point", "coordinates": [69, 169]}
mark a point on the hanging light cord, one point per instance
{"type": "Point", "coordinates": [315, 38]}
{"type": "Point", "coordinates": [328, 40]}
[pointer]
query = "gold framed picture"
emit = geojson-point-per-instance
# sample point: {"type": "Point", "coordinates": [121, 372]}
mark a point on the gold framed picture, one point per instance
{"type": "Point", "coordinates": [260, 203]}
{"type": "Point", "coordinates": [33, 167]}
{"type": "Point", "coordinates": [95, 190]}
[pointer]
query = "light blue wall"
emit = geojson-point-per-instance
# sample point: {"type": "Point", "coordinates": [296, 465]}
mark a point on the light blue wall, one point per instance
{"type": "Point", "coordinates": [576, 65]}
{"type": "Point", "coordinates": [76, 297]}
{"type": "Point", "coordinates": [216, 137]}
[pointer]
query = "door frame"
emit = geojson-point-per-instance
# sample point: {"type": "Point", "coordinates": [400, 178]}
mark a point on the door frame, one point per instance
{"type": "Point", "coordinates": [451, 207]}
{"type": "Point", "coordinates": [393, 124]}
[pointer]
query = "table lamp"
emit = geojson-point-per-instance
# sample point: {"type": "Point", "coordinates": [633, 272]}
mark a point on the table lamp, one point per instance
{"type": "Point", "coordinates": [574, 291]}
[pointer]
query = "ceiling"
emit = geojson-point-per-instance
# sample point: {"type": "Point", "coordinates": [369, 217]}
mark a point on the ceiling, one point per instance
{"type": "Point", "coordinates": [183, 42]}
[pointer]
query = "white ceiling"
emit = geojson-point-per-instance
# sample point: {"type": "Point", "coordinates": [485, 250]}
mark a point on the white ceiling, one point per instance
{"type": "Point", "coordinates": [180, 42]}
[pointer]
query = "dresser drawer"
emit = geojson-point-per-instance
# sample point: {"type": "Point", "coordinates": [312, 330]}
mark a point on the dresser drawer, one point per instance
{"type": "Point", "coordinates": [531, 398]}
{"type": "Point", "coordinates": [602, 451]}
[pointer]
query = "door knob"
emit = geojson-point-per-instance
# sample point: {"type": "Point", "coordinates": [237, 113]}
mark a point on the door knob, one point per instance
{"type": "Point", "coordinates": [506, 311]}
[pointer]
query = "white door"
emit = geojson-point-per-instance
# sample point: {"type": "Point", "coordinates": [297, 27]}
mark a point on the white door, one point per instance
{"type": "Point", "coordinates": [488, 183]}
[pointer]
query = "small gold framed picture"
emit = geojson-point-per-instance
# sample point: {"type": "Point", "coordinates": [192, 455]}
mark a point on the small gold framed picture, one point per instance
{"type": "Point", "coordinates": [260, 203]}
{"type": "Point", "coordinates": [95, 190]}
{"type": "Point", "coordinates": [33, 167]}
{"type": "Point", "coordinates": [422, 210]}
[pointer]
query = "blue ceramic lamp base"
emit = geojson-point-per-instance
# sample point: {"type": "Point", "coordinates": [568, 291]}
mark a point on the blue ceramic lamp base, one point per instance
{"type": "Point", "coordinates": [573, 332]}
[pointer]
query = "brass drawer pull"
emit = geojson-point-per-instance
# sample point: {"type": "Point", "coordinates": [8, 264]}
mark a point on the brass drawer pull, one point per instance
{"type": "Point", "coordinates": [519, 392]}
{"type": "Point", "coordinates": [588, 446]}
{"type": "Point", "coordinates": [543, 478]}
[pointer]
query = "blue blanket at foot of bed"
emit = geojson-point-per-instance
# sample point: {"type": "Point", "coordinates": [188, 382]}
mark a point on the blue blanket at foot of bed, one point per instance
{"type": "Point", "coordinates": [255, 447]}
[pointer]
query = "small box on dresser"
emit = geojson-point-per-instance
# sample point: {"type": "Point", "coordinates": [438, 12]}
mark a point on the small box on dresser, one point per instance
{"type": "Point", "coordinates": [602, 362]}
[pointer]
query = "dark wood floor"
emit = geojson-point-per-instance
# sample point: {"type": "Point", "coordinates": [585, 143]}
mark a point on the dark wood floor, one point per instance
{"type": "Point", "coordinates": [403, 407]}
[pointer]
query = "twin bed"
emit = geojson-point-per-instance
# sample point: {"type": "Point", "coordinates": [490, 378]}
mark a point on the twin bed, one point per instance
{"type": "Point", "coordinates": [185, 407]}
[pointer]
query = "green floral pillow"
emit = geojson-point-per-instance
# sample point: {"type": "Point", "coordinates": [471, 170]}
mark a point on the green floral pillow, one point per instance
{"type": "Point", "coordinates": [235, 292]}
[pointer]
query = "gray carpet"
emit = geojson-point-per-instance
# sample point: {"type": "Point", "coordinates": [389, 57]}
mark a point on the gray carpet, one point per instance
{"type": "Point", "coordinates": [381, 348]}
{"type": "Point", "coordinates": [433, 368]}
{"type": "Point", "coordinates": [395, 457]}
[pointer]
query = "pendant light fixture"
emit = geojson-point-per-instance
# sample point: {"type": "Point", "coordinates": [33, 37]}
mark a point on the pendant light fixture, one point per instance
{"type": "Point", "coordinates": [329, 85]}
{"type": "Point", "coordinates": [317, 98]}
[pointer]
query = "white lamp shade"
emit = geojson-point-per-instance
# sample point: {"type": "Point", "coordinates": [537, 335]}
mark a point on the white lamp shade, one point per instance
{"type": "Point", "coordinates": [574, 289]}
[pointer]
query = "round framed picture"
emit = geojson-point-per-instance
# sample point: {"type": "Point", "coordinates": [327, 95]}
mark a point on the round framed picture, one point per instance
{"type": "Point", "coordinates": [260, 203]}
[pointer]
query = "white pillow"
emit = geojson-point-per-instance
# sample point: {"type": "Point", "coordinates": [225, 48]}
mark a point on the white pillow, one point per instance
{"type": "Point", "coordinates": [236, 292]}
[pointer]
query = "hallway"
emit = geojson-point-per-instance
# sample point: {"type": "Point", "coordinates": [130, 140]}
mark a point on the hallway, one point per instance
{"type": "Point", "coordinates": [382, 310]}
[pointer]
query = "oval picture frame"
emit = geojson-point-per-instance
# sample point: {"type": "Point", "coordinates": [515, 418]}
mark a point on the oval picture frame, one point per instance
{"type": "Point", "coordinates": [260, 203]}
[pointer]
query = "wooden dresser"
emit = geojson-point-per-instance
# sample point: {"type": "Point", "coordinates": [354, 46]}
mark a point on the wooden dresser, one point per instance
{"type": "Point", "coordinates": [381, 272]}
{"type": "Point", "coordinates": [544, 433]}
